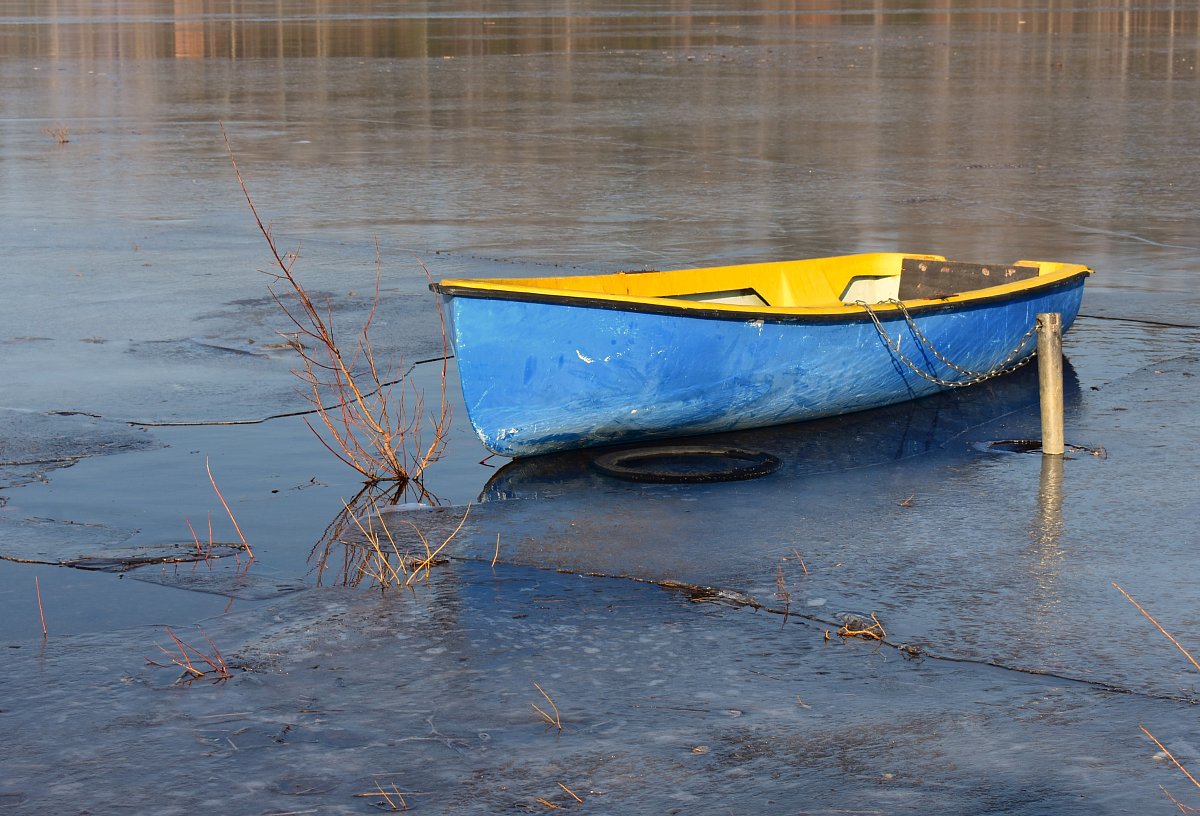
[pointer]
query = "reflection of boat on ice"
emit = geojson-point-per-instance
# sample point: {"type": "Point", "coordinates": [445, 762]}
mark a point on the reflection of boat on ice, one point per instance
{"type": "Point", "coordinates": [548, 364]}
{"type": "Point", "coordinates": [997, 408]}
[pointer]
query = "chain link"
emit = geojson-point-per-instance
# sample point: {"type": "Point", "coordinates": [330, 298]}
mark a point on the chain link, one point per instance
{"type": "Point", "coordinates": [973, 377]}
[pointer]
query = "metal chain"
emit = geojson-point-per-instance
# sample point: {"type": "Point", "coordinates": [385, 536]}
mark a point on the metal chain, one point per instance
{"type": "Point", "coordinates": [974, 377]}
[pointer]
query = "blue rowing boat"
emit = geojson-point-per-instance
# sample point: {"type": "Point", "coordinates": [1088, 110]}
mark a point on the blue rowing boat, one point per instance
{"type": "Point", "coordinates": [555, 363]}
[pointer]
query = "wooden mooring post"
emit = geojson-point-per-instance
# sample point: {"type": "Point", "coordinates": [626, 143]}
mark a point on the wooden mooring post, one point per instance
{"type": "Point", "coordinates": [1050, 381]}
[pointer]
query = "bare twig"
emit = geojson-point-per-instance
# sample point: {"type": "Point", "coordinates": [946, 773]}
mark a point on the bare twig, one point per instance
{"type": "Point", "coordinates": [872, 632]}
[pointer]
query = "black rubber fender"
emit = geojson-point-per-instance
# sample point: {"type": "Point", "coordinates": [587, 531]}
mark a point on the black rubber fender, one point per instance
{"type": "Point", "coordinates": [690, 464]}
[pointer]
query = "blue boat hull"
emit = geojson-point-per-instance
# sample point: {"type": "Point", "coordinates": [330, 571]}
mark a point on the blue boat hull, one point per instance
{"type": "Point", "coordinates": [539, 377]}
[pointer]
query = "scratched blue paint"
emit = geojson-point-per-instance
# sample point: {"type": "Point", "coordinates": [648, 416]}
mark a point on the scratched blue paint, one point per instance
{"type": "Point", "coordinates": [539, 377]}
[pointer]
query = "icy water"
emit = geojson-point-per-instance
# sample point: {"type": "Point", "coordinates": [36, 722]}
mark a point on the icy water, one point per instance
{"type": "Point", "coordinates": [686, 634]}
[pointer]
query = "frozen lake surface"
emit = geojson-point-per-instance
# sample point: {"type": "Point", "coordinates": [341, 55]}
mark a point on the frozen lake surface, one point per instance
{"type": "Point", "coordinates": [679, 630]}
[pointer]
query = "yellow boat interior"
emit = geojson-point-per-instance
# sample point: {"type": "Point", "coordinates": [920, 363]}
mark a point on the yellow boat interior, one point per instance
{"type": "Point", "coordinates": [834, 284]}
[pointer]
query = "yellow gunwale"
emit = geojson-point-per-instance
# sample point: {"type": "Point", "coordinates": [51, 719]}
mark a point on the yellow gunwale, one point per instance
{"type": "Point", "coordinates": [817, 281]}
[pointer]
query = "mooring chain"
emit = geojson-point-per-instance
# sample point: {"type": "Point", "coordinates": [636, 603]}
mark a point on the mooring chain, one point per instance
{"type": "Point", "coordinates": [973, 377]}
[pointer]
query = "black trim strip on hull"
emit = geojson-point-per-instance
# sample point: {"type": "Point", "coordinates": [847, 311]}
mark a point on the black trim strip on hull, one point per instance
{"type": "Point", "coordinates": [670, 310]}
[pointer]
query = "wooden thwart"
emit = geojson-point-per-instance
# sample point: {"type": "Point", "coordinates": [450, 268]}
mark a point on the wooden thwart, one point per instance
{"type": "Point", "coordinates": [935, 279]}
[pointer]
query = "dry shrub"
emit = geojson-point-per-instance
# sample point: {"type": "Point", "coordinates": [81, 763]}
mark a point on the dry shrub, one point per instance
{"type": "Point", "coordinates": [59, 133]}
{"type": "Point", "coordinates": [376, 430]}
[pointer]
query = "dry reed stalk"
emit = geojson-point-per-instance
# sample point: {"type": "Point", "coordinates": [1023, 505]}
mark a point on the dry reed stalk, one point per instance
{"type": "Point", "coordinates": [380, 793]}
{"type": "Point", "coordinates": [217, 669]}
{"type": "Point", "coordinates": [1157, 625]}
{"type": "Point", "coordinates": [41, 614]}
{"type": "Point", "coordinates": [205, 553]}
{"type": "Point", "coordinates": [550, 805]}
{"type": "Point", "coordinates": [556, 720]}
{"type": "Point", "coordinates": [570, 792]}
{"type": "Point", "coordinates": [781, 591]}
{"type": "Point", "coordinates": [348, 393]}
{"type": "Point", "coordinates": [432, 554]}
{"type": "Point", "coordinates": [386, 798]}
{"type": "Point", "coordinates": [496, 555]}
{"type": "Point", "coordinates": [400, 796]}
{"type": "Point", "coordinates": [800, 558]}
{"type": "Point", "coordinates": [1184, 809]}
{"type": "Point", "coordinates": [1170, 756]}
{"type": "Point", "coordinates": [195, 538]}
{"type": "Point", "coordinates": [236, 526]}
